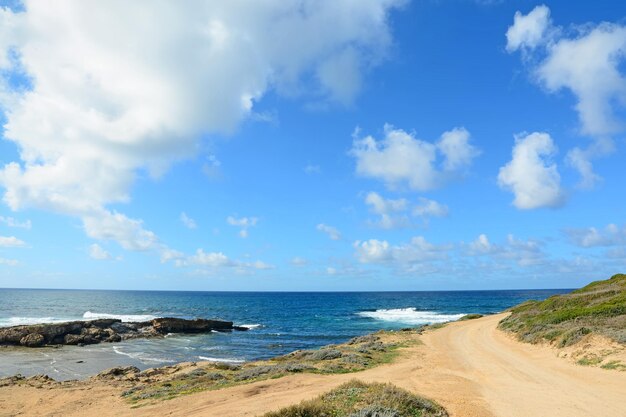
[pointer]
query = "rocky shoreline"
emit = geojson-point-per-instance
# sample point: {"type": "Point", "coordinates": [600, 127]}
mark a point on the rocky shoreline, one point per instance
{"type": "Point", "coordinates": [106, 330]}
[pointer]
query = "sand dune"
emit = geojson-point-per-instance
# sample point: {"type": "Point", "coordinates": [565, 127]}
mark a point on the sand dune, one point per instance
{"type": "Point", "coordinates": [470, 367]}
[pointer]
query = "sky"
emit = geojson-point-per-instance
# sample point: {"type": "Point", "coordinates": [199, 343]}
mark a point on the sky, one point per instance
{"type": "Point", "coordinates": [312, 145]}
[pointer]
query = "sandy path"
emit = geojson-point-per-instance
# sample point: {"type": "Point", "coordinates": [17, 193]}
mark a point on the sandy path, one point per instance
{"type": "Point", "coordinates": [469, 367]}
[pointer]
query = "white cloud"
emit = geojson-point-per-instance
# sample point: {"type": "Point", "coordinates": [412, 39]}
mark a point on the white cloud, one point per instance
{"type": "Point", "coordinates": [392, 212]}
{"type": "Point", "coordinates": [528, 31]}
{"type": "Point", "coordinates": [430, 208]}
{"type": "Point", "coordinates": [332, 232]}
{"type": "Point", "coordinates": [481, 245]}
{"type": "Point", "coordinates": [373, 251]}
{"type": "Point", "coordinates": [11, 242]}
{"type": "Point", "coordinates": [456, 149]}
{"type": "Point", "coordinates": [129, 233]}
{"type": "Point", "coordinates": [244, 223]}
{"type": "Point", "coordinates": [386, 209]}
{"type": "Point", "coordinates": [587, 61]}
{"type": "Point", "coordinates": [99, 253]}
{"type": "Point", "coordinates": [611, 235]}
{"type": "Point", "coordinates": [212, 261]}
{"type": "Point", "coordinates": [11, 222]}
{"type": "Point", "coordinates": [188, 221]}
{"type": "Point", "coordinates": [298, 261]}
{"type": "Point", "coordinates": [522, 252]}
{"type": "Point", "coordinates": [589, 66]}
{"type": "Point", "coordinates": [311, 169]}
{"type": "Point", "coordinates": [400, 157]}
{"type": "Point", "coordinates": [418, 250]}
{"type": "Point", "coordinates": [8, 262]}
{"type": "Point", "coordinates": [106, 103]}
{"type": "Point", "coordinates": [531, 177]}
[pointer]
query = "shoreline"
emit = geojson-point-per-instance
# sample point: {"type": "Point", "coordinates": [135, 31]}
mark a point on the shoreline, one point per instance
{"type": "Point", "coordinates": [469, 367]}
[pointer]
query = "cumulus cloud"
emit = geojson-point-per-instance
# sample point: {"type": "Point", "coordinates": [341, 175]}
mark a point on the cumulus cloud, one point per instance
{"type": "Point", "coordinates": [533, 179]}
{"type": "Point", "coordinates": [430, 208]}
{"type": "Point", "coordinates": [12, 222]}
{"type": "Point", "coordinates": [611, 235]}
{"type": "Point", "coordinates": [387, 209]}
{"type": "Point", "coordinates": [244, 223]}
{"type": "Point", "coordinates": [187, 221]}
{"type": "Point", "coordinates": [99, 253]}
{"type": "Point", "coordinates": [393, 212]}
{"type": "Point", "coordinates": [103, 104]}
{"type": "Point", "coordinates": [418, 250]}
{"type": "Point", "coordinates": [528, 31]}
{"type": "Point", "coordinates": [11, 242]}
{"type": "Point", "coordinates": [332, 232]}
{"type": "Point", "coordinates": [401, 158]}
{"type": "Point", "coordinates": [212, 261]}
{"type": "Point", "coordinates": [522, 252]}
{"type": "Point", "coordinates": [588, 62]}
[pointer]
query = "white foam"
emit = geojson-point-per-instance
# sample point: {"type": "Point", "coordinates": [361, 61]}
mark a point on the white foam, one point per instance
{"type": "Point", "coordinates": [227, 360]}
{"type": "Point", "coordinates": [140, 356]}
{"type": "Point", "coordinates": [410, 316]}
{"type": "Point", "coordinates": [22, 321]}
{"type": "Point", "coordinates": [124, 317]}
{"type": "Point", "coordinates": [251, 326]}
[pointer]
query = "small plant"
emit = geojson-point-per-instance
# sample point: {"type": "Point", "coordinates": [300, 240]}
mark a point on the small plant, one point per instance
{"type": "Point", "coordinates": [357, 399]}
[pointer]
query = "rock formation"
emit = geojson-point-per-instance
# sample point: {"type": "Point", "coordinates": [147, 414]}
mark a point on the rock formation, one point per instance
{"type": "Point", "coordinates": [105, 330]}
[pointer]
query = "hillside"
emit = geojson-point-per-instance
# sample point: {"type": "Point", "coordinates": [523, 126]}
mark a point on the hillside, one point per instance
{"type": "Point", "coordinates": [596, 310]}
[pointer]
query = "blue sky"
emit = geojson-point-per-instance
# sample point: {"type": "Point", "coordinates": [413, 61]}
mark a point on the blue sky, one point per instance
{"type": "Point", "coordinates": [357, 145]}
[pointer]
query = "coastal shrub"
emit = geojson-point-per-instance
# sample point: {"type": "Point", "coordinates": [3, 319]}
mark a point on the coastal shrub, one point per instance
{"type": "Point", "coordinates": [573, 336]}
{"type": "Point", "coordinates": [564, 320]}
{"type": "Point", "coordinates": [225, 366]}
{"type": "Point", "coordinates": [369, 338]}
{"type": "Point", "coordinates": [326, 354]}
{"type": "Point", "coordinates": [376, 411]}
{"type": "Point", "coordinates": [255, 372]}
{"type": "Point", "coordinates": [470, 317]}
{"type": "Point", "coordinates": [357, 399]}
{"type": "Point", "coordinates": [351, 358]}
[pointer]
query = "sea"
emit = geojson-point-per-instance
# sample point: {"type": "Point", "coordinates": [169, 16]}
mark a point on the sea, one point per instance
{"type": "Point", "coordinates": [278, 323]}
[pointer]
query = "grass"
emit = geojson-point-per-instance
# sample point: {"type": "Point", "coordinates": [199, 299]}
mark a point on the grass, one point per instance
{"type": "Point", "coordinates": [598, 308]}
{"type": "Point", "coordinates": [356, 355]}
{"type": "Point", "coordinates": [357, 399]}
{"type": "Point", "coordinates": [470, 317]}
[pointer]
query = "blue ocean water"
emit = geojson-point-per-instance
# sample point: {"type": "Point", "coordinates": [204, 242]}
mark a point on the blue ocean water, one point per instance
{"type": "Point", "coordinates": [279, 322]}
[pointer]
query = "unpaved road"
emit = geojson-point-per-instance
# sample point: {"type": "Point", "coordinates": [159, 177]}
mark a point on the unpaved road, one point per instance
{"type": "Point", "coordinates": [470, 367]}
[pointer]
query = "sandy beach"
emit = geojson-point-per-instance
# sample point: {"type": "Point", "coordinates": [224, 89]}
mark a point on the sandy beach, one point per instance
{"type": "Point", "coordinates": [469, 367]}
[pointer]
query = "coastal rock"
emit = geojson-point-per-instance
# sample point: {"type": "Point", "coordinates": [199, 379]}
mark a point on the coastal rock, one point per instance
{"type": "Point", "coordinates": [172, 325]}
{"type": "Point", "coordinates": [105, 330]}
{"type": "Point", "coordinates": [119, 372]}
{"type": "Point", "coordinates": [32, 340]}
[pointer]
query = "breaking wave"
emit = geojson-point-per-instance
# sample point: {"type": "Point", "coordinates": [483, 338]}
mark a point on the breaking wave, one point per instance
{"type": "Point", "coordinates": [124, 317]}
{"type": "Point", "coordinates": [225, 360]}
{"type": "Point", "coordinates": [410, 316]}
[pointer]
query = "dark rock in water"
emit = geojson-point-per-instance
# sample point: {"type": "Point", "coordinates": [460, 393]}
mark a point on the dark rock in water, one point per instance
{"type": "Point", "coordinates": [172, 325]}
{"type": "Point", "coordinates": [82, 333]}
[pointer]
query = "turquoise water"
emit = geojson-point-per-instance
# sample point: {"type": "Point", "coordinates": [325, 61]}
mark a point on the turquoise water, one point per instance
{"type": "Point", "coordinates": [279, 322]}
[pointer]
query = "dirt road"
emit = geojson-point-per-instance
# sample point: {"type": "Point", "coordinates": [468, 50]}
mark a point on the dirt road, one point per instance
{"type": "Point", "coordinates": [470, 367]}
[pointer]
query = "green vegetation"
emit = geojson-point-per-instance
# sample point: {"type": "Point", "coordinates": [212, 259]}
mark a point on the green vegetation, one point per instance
{"type": "Point", "coordinates": [470, 317]}
{"type": "Point", "coordinates": [356, 355]}
{"type": "Point", "coordinates": [598, 308]}
{"type": "Point", "coordinates": [357, 399]}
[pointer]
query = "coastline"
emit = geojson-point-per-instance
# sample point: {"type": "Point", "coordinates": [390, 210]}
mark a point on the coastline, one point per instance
{"type": "Point", "coordinates": [469, 367]}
